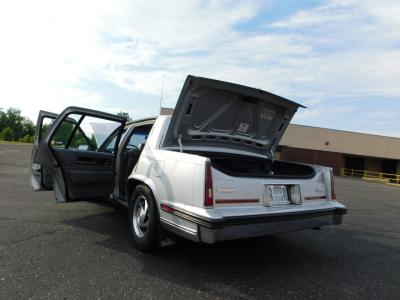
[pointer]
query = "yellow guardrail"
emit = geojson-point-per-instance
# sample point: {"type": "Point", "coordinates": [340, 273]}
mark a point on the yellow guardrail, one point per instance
{"type": "Point", "coordinates": [373, 176]}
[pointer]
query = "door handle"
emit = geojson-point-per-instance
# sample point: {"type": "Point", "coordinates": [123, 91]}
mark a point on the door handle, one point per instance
{"type": "Point", "coordinates": [85, 160]}
{"type": "Point", "coordinates": [104, 161]}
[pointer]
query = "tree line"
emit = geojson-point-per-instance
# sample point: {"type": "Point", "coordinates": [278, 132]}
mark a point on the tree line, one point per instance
{"type": "Point", "coordinates": [15, 127]}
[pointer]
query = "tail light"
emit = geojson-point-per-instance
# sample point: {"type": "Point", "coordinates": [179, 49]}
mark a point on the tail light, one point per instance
{"type": "Point", "coordinates": [208, 187]}
{"type": "Point", "coordinates": [333, 186]}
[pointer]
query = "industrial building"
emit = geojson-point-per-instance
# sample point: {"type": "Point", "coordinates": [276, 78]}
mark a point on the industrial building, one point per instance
{"type": "Point", "coordinates": [341, 149]}
{"type": "Point", "coordinates": [348, 153]}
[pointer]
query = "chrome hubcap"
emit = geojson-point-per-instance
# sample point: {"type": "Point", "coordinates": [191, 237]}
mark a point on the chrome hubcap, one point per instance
{"type": "Point", "coordinates": [141, 216]}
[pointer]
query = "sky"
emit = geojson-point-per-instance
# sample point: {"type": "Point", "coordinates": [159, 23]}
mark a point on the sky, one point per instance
{"type": "Point", "coordinates": [340, 58]}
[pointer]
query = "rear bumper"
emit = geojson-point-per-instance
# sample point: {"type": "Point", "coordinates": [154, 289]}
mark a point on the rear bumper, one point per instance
{"type": "Point", "coordinates": [230, 228]}
{"type": "Point", "coordinates": [271, 224]}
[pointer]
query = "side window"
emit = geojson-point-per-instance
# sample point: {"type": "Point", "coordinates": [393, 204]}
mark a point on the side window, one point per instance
{"type": "Point", "coordinates": [46, 124]}
{"type": "Point", "coordinates": [83, 133]}
{"type": "Point", "coordinates": [111, 144]}
{"type": "Point", "coordinates": [139, 136]}
{"type": "Point", "coordinates": [83, 142]}
{"type": "Point", "coordinates": [61, 137]}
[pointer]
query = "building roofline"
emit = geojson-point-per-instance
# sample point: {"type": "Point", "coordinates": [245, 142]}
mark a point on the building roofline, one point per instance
{"type": "Point", "coordinates": [348, 131]}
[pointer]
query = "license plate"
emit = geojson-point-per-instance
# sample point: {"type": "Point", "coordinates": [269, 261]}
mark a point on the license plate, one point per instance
{"type": "Point", "coordinates": [276, 195]}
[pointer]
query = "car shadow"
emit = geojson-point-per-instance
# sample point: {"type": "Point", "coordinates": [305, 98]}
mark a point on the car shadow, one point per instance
{"type": "Point", "coordinates": [258, 267]}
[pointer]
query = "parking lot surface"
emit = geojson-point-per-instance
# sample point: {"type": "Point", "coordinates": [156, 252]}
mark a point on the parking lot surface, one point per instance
{"type": "Point", "coordinates": [83, 250]}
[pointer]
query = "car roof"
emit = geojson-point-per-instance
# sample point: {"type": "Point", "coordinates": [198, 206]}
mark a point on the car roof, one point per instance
{"type": "Point", "coordinates": [141, 120]}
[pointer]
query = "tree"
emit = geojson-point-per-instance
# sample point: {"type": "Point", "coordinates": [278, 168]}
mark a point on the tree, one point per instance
{"type": "Point", "coordinates": [20, 125]}
{"type": "Point", "coordinates": [27, 139]}
{"type": "Point", "coordinates": [14, 121]}
{"type": "Point", "coordinates": [61, 136]}
{"type": "Point", "coordinates": [124, 114]}
{"type": "Point", "coordinates": [45, 128]}
{"type": "Point", "coordinates": [7, 134]}
{"type": "Point", "coordinates": [28, 128]}
{"type": "Point", "coordinates": [3, 119]}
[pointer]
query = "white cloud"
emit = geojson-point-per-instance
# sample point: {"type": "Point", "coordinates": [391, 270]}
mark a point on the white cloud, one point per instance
{"type": "Point", "coordinates": [50, 47]}
{"type": "Point", "coordinates": [180, 25]}
{"type": "Point", "coordinates": [313, 18]}
{"type": "Point", "coordinates": [357, 62]}
{"type": "Point", "coordinates": [47, 48]}
{"type": "Point", "coordinates": [338, 50]}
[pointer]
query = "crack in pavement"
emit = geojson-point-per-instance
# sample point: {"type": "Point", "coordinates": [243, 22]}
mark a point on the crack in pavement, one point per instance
{"type": "Point", "coordinates": [28, 238]}
{"type": "Point", "coordinates": [28, 220]}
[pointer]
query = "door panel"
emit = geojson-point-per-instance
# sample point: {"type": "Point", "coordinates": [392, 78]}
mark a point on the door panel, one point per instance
{"type": "Point", "coordinates": [74, 151]}
{"type": "Point", "coordinates": [87, 173]}
{"type": "Point", "coordinates": [40, 176]}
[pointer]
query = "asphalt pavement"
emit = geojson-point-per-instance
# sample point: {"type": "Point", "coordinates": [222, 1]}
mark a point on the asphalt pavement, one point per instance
{"type": "Point", "coordinates": [82, 250]}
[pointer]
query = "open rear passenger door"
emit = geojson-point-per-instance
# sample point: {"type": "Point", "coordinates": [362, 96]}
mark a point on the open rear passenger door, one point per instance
{"type": "Point", "coordinates": [40, 177]}
{"type": "Point", "coordinates": [79, 152]}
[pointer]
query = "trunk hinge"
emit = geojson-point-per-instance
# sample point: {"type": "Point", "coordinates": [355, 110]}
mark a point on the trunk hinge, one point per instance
{"type": "Point", "coordinates": [272, 154]}
{"type": "Point", "coordinates": [180, 143]}
{"type": "Point", "coordinates": [270, 162]}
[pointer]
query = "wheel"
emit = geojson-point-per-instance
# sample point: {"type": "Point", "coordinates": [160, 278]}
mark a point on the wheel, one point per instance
{"type": "Point", "coordinates": [144, 222]}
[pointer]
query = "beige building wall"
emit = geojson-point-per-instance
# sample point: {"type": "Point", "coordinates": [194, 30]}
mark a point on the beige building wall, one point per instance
{"type": "Point", "coordinates": [306, 137]}
{"type": "Point", "coordinates": [166, 111]}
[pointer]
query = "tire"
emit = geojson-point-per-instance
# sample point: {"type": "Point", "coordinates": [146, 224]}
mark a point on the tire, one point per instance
{"type": "Point", "coordinates": [144, 221]}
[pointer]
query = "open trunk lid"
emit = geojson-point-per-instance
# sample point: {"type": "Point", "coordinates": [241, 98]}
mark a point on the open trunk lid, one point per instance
{"type": "Point", "coordinates": [218, 116]}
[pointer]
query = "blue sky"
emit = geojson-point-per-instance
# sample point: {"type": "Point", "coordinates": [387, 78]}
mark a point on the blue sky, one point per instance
{"type": "Point", "coordinates": [339, 58]}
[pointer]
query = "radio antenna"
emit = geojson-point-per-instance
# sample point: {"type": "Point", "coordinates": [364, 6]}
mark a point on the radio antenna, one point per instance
{"type": "Point", "coordinates": [162, 91]}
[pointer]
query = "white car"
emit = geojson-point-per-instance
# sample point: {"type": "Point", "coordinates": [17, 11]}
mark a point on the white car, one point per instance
{"type": "Point", "coordinates": [206, 173]}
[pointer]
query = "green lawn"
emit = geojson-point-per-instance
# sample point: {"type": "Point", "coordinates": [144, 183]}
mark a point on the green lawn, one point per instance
{"type": "Point", "coordinates": [14, 143]}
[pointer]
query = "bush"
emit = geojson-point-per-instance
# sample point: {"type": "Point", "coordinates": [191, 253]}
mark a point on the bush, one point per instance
{"type": "Point", "coordinates": [7, 134]}
{"type": "Point", "coordinates": [26, 138]}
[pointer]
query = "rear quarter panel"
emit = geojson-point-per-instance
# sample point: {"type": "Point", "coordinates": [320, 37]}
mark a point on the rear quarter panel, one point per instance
{"type": "Point", "coordinates": [176, 177]}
